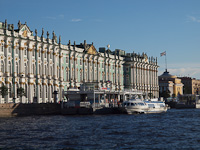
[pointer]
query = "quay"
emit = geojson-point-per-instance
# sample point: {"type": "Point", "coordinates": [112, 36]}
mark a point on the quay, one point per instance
{"type": "Point", "coordinates": [18, 110]}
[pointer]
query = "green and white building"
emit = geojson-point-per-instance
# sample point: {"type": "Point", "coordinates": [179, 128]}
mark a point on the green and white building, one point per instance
{"type": "Point", "coordinates": [141, 73]}
{"type": "Point", "coordinates": [43, 66]}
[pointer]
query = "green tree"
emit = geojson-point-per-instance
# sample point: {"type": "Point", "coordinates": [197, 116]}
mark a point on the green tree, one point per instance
{"type": "Point", "coordinates": [150, 95]}
{"type": "Point", "coordinates": [165, 94]}
{"type": "Point", "coordinates": [4, 90]}
{"type": "Point", "coordinates": [21, 92]}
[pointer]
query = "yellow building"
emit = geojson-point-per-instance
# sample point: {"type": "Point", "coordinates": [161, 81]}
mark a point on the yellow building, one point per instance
{"type": "Point", "coordinates": [171, 83]}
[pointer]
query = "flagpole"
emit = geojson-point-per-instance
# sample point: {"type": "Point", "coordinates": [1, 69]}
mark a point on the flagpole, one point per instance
{"type": "Point", "coordinates": [166, 60]}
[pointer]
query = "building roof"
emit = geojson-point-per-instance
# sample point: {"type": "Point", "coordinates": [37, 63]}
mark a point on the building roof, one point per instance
{"type": "Point", "coordinates": [167, 75]}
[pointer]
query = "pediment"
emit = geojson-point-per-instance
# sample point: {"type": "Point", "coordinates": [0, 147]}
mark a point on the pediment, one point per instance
{"type": "Point", "coordinates": [25, 31]}
{"type": "Point", "coordinates": [92, 50]}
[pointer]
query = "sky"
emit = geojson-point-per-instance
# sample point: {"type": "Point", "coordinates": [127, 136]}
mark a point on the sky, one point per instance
{"type": "Point", "coordinates": [149, 26]}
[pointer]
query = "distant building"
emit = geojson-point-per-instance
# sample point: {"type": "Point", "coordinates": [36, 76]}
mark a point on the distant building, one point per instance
{"type": "Point", "coordinates": [171, 83]}
{"type": "Point", "coordinates": [191, 85]}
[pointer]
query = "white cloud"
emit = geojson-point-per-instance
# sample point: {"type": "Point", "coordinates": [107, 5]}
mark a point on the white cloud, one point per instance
{"type": "Point", "coordinates": [61, 16]}
{"type": "Point", "coordinates": [193, 19]}
{"type": "Point", "coordinates": [76, 20]}
{"type": "Point", "coordinates": [184, 69]}
{"type": "Point", "coordinates": [48, 17]}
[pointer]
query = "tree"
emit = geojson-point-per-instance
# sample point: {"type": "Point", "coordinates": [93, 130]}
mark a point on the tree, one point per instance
{"type": "Point", "coordinates": [150, 95]}
{"type": "Point", "coordinates": [4, 90]}
{"type": "Point", "coordinates": [21, 92]}
{"type": "Point", "coordinates": [165, 94]}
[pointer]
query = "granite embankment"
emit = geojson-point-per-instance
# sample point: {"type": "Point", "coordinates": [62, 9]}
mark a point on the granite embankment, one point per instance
{"type": "Point", "coordinates": [11, 109]}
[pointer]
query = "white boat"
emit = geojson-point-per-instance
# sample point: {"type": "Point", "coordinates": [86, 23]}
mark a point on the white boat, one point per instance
{"type": "Point", "coordinates": [155, 106]}
{"type": "Point", "coordinates": [135, 106]}
{"type": "Point", "coordinates": [147, 106]}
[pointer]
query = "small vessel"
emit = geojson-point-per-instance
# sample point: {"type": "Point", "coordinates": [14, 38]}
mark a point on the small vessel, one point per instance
{"type": "Point", "coordinates": [155, 106]}
{"type": "Point", "coordinates": [136, 105]}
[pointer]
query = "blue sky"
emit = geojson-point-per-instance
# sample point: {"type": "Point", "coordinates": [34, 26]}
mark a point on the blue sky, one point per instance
{"type": "Point", "coordinates": [150, 26]}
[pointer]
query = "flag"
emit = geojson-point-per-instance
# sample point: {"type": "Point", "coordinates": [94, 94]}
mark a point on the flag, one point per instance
{"type": "Point", "coordinates": [163, 53]}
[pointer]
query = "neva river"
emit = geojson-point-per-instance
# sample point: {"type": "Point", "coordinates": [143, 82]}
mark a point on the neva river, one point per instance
{"type": "Point", "coordinates": [176, 129]}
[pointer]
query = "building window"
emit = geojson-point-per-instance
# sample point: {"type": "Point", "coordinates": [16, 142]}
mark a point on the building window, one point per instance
{"type": "Point", "coordinates": [127, 69]}
{"type": "Point", "coordinates": [45, 54]}
{"type": "Point", "coordinates": [2, 66]}
{"type": "Point", "coordinates": [67, 60]}
{"type": "Point", "coordinates": [81, 77]}
{"type": "Point", "coordinates": [127, 79]}
{"type": "Point", "coordinates": [10, 67]}
{"type": "Point", "coordinates": [67, 74]}
{"type": "Point", "coordinates": [58, 71]}
{"type": "Point", "coordinates": [26, 68]}
{"type": "Point", "coordinates": [17, 50]}
{"type": "Point", "coordinates": [102, 65]}
{"type": "Point", "coordinates": [9, 49]}
{"type": "Point", "coordinates": [33, 69]}
{"type": "Point", "coordinates": [17, 68]}
{"type": "Point", "coordinates": [46, 91]}
{"type": "Point", "coordinates": [2, 47]}
{"type": "Point", "coordinates": [80, 61]}
{"type": "Point", "coordinates": [33, 52]}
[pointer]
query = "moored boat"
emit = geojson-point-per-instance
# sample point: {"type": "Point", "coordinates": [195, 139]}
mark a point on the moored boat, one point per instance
{"type": "Point", "coordinates": [155, 106]}
{"type": "Point", "coordinates": [147, 106]}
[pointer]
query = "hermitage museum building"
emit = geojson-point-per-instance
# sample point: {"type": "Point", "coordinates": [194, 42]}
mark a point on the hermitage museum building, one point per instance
{"type": "Point", "coordinates": [43, 66]}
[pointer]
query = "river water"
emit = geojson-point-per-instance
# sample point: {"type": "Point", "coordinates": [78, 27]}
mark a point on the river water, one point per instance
{"type": "Point", "coordinates": [175, 129]}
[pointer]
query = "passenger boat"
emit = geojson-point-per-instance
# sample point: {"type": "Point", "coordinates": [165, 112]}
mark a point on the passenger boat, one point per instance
{"type": "Point", "coordinates": [147, 106]}
{"type": "Point", "coordinates": [155, 106]}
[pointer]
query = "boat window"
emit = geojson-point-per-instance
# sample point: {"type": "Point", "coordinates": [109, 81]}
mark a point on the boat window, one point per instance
{"type": "Point", "coordinates": [127, 104]}
{"type": "Point", "coordinates": [161, 105]}
{"type": "Point", "coordinates": [132, 104]}
{"type": "Point", "coordinates": [151, 105]}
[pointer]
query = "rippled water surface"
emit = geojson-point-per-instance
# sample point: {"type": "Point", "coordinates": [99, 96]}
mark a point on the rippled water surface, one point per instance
{"type": "Point", "coordinates": [176, 129]}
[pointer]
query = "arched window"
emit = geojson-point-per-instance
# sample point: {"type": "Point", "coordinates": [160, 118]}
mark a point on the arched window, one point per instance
{"type": "Point", "coordinates": [2, 47]}
{"type": "Point", "coordinates": [67, 74]}
{"type": "Point", "coordinates": [127, 79]}
{"type": "Point", "coordinates": [102, 75]}
{"type": "Point", "coordinates": [26, 68]}
{"type": "Point", "coordinates": [34, 90]}
{"type": "Point", "coordinates": [58, 71]}
{"type": "Point", "coordinates": [26, 90]}
{"type": "Point", "coordinates": [52, 90]}
{"type": "Point", "coordinates": [46, 91]}
{"type": "Point", "coordinates": [92, 73]}
{"type": "Point", "coordinates": [17, 50]}
{"type": "Point", "coordinates": [33, 69]}
{"type": "Point", "coordinates": [51, 70]}
{"type": "Point", "coordinates": [10, 67]}
{"type": "Point", "coordinates": [81, 77]}
{"type": "Point", "coordinates": [17, 68]}
{"type": "Point", "coordinates": [25, 50]}
{"type": "Point", "coordinates": [10, 90]}
{"type": "Point", "coordinates": [39, 53]}
{"type": "Point", "coordinates": [33, 52]}
{"type": "Point", "coordinates": [86, 75]}
{"type": "Point", "coordinates": [2, 66]}
{"type": "Point", "coordinates": [9, 49]}
{"type": "Point", "coordinates": [40, 91]}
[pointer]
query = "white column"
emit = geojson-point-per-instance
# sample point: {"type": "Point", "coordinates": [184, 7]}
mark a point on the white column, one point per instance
{"type": "Point", "coordinates": [30, 97]}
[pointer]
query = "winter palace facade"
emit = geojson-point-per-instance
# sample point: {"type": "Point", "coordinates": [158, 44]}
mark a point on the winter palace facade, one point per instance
{"type": "Point", "coordinates": [41, 66]}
